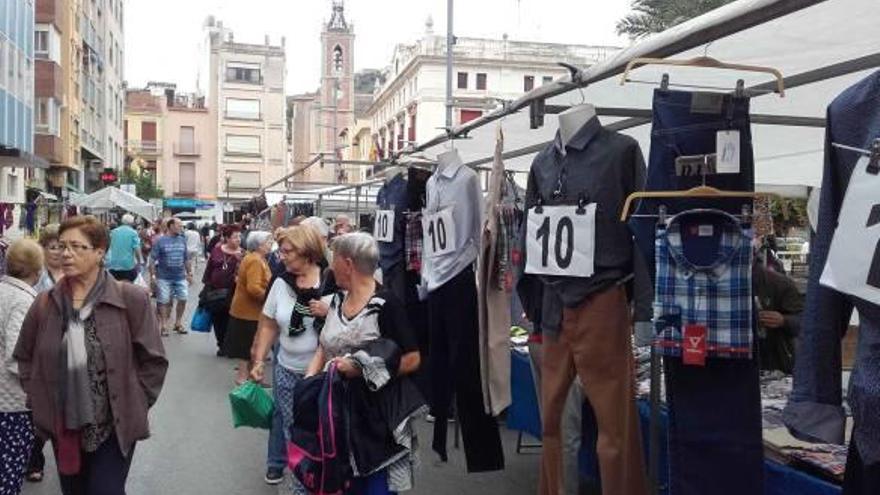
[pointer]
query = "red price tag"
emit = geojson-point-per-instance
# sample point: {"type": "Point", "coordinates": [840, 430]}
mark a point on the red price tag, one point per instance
{"type": "Point", "coordinates": [694, 351]}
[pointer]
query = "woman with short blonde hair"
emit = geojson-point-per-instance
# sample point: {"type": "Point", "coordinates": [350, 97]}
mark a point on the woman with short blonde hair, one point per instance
{"type": "Point", "coordinates": [24, 264]}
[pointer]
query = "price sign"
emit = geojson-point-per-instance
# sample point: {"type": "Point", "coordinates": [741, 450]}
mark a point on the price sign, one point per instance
{"type": "Point", "coordinates": [439, 233]}
{"type": "Point", "coordinates": [384, 229]}
{"type": "Point", "coordinates": [561, 241]}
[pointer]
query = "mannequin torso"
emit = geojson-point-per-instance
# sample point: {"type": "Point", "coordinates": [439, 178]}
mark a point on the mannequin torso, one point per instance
{"type": "Point", "coordinates": [572, 120]}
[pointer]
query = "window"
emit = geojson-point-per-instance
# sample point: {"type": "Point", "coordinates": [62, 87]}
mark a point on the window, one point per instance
{"type": "Point", "coordinates": [528, 83]}
{"type": "Point", "coordinates": [462, 80]}
{"type": "Point", "coordinates": [47, 116]}
{"type": "Point", "coordinates": [187, 143]}
{"type": "Point", "coordinates": [469, 115]}
{"type": "Point", "coordinates": [243, 180]}
{"type": "Point", "coordinates": [337, 59]}
{"type": "Point", "coordinates": [243, 145]}
{"type": "Point", "coordinates": [242, 73]}
{"type": "Point", "coordinates": [481, 81]}
{"type": "Point", "coordinates": [11, 186]}
{"type": "Point", "coordinates": [187, 178]}
{"type": "Point", "coordinates": [2, 61]}
{"type": "Point", "coordinates": [547, 80]}
{"type": "Point", "coordinates": [41, 43]}
{"type": "Point", "coordinates": [412, 127]}
{"type": "Point", "coordinates": [237, 108]}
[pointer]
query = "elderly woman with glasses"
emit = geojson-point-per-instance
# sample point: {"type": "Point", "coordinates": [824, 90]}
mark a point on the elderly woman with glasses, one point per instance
{"type": "Point", "coordinates": [92, 363]}
{"type": "Point", "coordinates": [247, 301]}
{"type": "Point", "coordinates": [53, 271]}
{"type": "Point", "coordinates": [288, 318]}
{"type": "Point", "coordinates": [24, 264]}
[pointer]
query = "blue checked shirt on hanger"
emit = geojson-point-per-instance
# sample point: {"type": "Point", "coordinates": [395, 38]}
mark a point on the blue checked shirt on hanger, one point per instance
{"type": "Point", "coordinates": [704, 277]}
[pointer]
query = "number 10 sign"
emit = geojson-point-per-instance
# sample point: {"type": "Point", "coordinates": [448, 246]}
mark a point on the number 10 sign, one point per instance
{"type": "Point", "coordinates": [561, 241]}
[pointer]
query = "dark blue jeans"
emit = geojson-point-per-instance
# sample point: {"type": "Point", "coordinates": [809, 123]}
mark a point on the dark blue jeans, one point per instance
{"type": "Point", "coordinates": [714, 411]}
{"type": "Point", "coordinates": [678, 130]}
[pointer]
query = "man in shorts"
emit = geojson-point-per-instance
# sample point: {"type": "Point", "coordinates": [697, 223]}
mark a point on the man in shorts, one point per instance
{"type": "Point", "coordinates": [172, 270]}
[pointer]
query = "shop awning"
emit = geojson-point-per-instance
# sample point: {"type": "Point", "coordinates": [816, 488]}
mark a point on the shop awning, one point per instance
{"type": "Point", "coordinates": [112, 197]}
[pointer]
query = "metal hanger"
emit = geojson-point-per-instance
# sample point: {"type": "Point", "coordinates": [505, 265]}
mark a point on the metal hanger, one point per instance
{"type": "Point", "coordinates": [704, 62]}
{"type": "Point", "coordinates": [873, 153]}
{"type": "Point", "coordinates": [695, 192]}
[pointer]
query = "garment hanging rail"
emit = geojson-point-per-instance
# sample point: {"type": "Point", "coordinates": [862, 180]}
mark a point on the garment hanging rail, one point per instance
{"type": "Point", "coordinates": [723, 22]}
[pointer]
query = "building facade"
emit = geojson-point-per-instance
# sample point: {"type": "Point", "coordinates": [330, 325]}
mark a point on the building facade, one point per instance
{"type": "Point", "coordinates": [17, 163]}
{"type": "Point", "coordinates": [172, 137]}
{"type": "Point", "coordinates": [246, 97]}
{"type": "Point", "coordinates": [410, 107]}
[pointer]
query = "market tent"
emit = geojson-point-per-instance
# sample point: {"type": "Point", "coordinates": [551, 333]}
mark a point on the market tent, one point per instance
{"type": "Point", "coordinates": [821, 49]}
{"type": "Point", "coordinates": [112, 197]}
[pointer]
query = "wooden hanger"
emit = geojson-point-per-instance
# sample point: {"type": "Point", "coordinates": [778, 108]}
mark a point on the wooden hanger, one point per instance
{"type": "Point", "coordinates": [706, 62]}
{"type": "Point", "coordinates": [695, 192]}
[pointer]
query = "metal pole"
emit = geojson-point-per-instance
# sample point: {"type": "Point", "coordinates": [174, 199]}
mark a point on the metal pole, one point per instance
{"type": "Point", "coordinates": [318, 212]}
{"type": "Point", "coordinates": [357, 205]}
{"type": "Point", "coordinates": [450, 41]}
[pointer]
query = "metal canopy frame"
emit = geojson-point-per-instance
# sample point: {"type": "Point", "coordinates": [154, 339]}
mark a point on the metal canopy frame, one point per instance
{"type": "Point", "coordinates": [637, 117]}
{"type": "Point", "coordinates": [729, 20]}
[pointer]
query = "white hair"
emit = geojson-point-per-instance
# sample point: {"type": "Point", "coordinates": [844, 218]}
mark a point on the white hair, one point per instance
{"type": "Point", "coordinates": [361, 248]}
{"type": "Point", "coordinates": [256, 239]}
{"type": "Point", "coordinates": [318, 224]}
{"type": "Point", "coordinates": [128, 219]}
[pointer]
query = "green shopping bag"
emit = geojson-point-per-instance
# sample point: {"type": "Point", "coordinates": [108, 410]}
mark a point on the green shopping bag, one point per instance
{"type": "Point", "coordinates": [251, 406]}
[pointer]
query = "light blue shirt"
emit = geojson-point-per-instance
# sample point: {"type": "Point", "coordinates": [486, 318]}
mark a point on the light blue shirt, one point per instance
{"type": "Point", "coordinates": [123, 241]}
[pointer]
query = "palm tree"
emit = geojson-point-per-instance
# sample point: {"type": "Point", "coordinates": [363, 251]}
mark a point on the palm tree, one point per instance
{"type": "Point", "coordinates": [654, 16]}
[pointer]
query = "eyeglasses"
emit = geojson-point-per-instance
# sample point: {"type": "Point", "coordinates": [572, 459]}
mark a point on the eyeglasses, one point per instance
{"type": "Point", "coordinates": [74, 247]}
{"type": "Point", "coordinates": [54, 248]}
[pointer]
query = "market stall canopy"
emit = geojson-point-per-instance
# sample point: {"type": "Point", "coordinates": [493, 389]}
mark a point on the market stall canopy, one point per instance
{"type": "Point", "coordinates": [112, 197]}
{"type": "Point", "coordinates": [821, 49]}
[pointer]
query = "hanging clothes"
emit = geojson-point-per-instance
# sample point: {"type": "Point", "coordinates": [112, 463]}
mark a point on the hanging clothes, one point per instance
{"type": "Point", "coordinates": [494, 298]}
{"type": "Point", "coordinates": [718, 404]}
{"type": "Point", "coordinates": [30, 219]}
{"type": "Point", "coordinates": [815, 410]}
{"type": "Point", "coordinates": [4, 245]}
{"type": "Point", "coordinates": [6, 216]}
{"type": "Point", "coordinates": [704, 281]}
{"type": "Point", "coordinates": [585, 320]}
{"type": "Point", "coordinates": [454, 204]}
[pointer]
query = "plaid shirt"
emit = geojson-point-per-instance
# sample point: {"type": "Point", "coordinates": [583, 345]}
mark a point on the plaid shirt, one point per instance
{"type": "Point", "coordinates": [413, 241]}
{"type": "Point", "coordinates": [717, 294]}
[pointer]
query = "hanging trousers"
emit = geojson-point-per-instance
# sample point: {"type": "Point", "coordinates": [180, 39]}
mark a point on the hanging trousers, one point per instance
{"type": "Point", "coordinates": [595, 344]}
{"type": "Point", "coordinates": [455, 370]}
{"type": "Point", "coordinates": [860, 478]}
{"type": "Point", "coordinates": [714, 427]}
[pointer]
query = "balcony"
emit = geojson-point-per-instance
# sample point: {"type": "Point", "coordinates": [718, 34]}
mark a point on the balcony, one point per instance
{"type": "Point", "coordinates": [187, 149]}
{"type": "Point", "coordinates": [49, 12]}
{"type": "Point", "coordinates": [49, 147]}
{"type": "Point", "coordinates": [48, 80]}
{"type": "Point", "coordinates": [144, 147]}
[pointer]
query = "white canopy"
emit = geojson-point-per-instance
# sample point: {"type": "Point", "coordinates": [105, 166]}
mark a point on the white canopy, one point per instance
{"type": "Point", "coordinates": [829, 46]}
{"type": "Point", "coordinates": [112, 197]}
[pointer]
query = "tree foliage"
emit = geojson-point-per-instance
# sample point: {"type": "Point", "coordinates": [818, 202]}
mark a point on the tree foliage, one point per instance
{"type": "Point", "coordinates": [144, 182]}
{"type": "Point", "coordinates": [654, 16]}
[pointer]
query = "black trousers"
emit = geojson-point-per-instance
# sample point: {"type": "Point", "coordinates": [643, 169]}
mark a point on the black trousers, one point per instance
{"type": "Point", "coordinates": [860, 479]}
{"type": "Point", "coordinates": [220, 322]}
{"type": "Point", "coordinates": [455, 369]}
{"type": "Point", "coordinates": [125, 275]}
{"type": "Point", "coordinates": [103, 472]}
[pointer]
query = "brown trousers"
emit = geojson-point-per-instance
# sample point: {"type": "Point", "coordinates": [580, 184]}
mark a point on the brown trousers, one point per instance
{"type": "Point", "coordinates": [595, 344]}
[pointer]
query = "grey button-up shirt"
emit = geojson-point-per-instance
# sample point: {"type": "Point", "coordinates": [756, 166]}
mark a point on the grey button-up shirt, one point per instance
{"type": "Point", "coordinates": [457, 187]}
{"type": "Point", "coordinates": [814, 411]}
{"type": "Point", "coordinates": [598, 166]}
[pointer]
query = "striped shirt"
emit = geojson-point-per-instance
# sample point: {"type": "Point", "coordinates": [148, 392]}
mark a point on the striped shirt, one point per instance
{"type": "Point", "coordinates": [704, 277]}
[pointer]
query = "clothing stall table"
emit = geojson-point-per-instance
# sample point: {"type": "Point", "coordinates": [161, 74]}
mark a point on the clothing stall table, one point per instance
{"type": "Point", "coordinates": [524, 416]}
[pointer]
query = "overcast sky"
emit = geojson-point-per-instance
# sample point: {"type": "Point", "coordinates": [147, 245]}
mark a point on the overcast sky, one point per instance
{"type": "Point", "coordinates": [163, 38]}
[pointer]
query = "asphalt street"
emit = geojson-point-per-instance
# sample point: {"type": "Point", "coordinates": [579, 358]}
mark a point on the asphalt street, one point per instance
{"type": "Point", "coordinates": [194, 449]}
